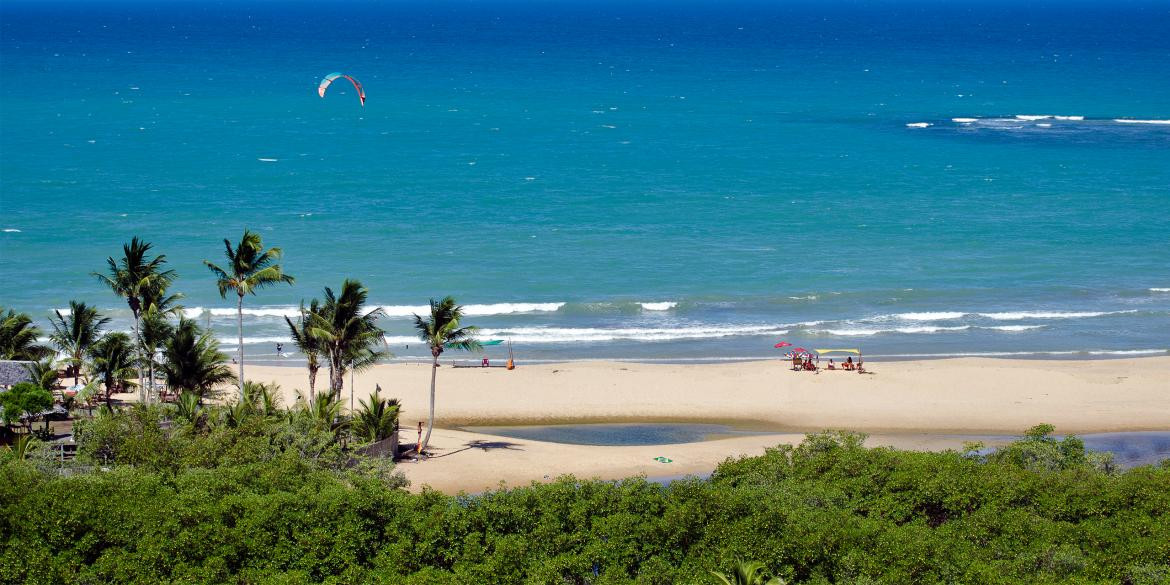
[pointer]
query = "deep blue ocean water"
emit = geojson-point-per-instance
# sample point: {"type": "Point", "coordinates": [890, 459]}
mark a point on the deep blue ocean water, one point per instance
{"type": "Point", "coordinates": [643, 180]}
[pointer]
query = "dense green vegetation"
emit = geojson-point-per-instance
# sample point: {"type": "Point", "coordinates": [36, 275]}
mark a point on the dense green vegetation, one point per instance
{"type": "Point", "coordinates": [273, 498]}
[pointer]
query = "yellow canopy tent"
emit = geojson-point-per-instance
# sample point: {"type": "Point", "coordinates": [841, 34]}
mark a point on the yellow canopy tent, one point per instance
{"type": "Point", "coordinates": [854, 351]}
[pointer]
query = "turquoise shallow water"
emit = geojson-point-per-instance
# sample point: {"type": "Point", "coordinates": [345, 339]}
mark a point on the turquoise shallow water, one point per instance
{"type": "Point", "coordinates": [639, 180]}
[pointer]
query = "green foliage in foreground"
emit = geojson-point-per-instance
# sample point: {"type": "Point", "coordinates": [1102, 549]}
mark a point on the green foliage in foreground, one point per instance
{"type": "Point", "coordinates": [243, 505]}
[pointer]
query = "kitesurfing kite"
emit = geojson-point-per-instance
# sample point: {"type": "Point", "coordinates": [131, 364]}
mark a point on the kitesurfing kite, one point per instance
{"type": "Point", "coordinates": [329, 79]}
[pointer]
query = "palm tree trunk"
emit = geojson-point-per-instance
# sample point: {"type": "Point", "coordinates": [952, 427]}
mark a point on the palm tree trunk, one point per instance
{"type": "Point", "coordinates": [240, 330]}
{"type": "Point", "coordinates": [138, 366]}
{"type": "Point", "coordinates": [312, 381]}
{"type": "Point", "coordinates": [431, 417]}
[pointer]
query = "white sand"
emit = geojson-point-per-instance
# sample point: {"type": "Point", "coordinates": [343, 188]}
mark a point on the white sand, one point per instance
{"type": "Point", "coordinates": [897, 399]}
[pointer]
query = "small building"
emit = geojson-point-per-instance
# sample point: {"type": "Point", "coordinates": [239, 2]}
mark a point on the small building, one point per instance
{"type": "Point", "coordinates": [14, 372]}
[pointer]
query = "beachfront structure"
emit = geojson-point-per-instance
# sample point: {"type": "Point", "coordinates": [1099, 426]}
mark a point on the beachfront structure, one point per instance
{"type": "Point", "coordinates": [13, 372]}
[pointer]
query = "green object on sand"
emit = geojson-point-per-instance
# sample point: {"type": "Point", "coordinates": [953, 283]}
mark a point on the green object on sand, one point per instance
{"type": "Point", "coordinates": [663, 460]}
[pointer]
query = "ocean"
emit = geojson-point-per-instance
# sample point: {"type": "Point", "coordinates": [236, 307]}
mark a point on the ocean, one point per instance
{"type": "Point", "coordinates": [644, 180]}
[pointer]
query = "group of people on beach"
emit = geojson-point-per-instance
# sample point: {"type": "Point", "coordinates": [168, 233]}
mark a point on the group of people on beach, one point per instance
{"type": "Point", "coordinates": [806, 363]}
{"type": "Point", "coordinates": [845, 365]}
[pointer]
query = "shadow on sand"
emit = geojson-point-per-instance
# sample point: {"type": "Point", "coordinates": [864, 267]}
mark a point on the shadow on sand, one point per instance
{"type": "Point", "coordinates": [480, 444]}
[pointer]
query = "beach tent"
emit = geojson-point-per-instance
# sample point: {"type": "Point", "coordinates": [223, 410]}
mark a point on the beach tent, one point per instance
{"type": "Point", "coordinates": [854, 351]}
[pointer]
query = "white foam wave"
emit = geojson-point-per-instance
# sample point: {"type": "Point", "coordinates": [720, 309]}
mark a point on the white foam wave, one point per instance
{"type": "Point", "coordinates": [1014, 327]}
{"type": "Point", "coordinates": [1018, 315]}
{"type": "Point", "coordinates": [1033, 118]}
{"type": "Point", "coordinates": [254, 312]}
{"type": "Point", "coordinates": [232, 341]}
{"type": "Point", "coordinates": [1070, 118]}
{"type": "Point", "coordinates": [964, 120]}
{"type": "Point", "coordinates": [11, 231]}
{"type": "Point", "coordinates": [935, 316]}
{"type": "Point", "coordinates": [597, 334]}
{"type": "Point", "coordinates": [805, 298]}
{"type": "Point", "coordinates": [391, 311]}
{"type": "Point", "coordinates": [1159, 289]}
{"type": "Point", "coordinates": [663, 306]}
{"type": "Point", "coordinates": [475, 310]}
{"type": "Point", "coordinates": [267, 159]}
{"type": "Point", "coordinates": [918, 125]}
{"type": "Point", "coordinates": [907, 330]}
{"type": "Point", "coordinates": [1130, 121]}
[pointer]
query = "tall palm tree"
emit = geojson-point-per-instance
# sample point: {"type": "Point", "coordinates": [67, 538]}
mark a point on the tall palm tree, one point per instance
{"type": "Point", "coordinates": [348, 336]}
{"type": "Point", "coordinates": [155, 332]}
{"type": "Point", "coordinates": [250, 267]}
{"type": "Point", "coordinates": [306, 342]}
{"type": "Point", "coordinates": [19, 337]}
{"type": "Point", "coordinates": [747, 573]}
{"type": "Point", "coordinates": [112, 357]}
{"type": "Point", "coordinates": [75, 333]}
{"type": "Point", "coordinates": [192, 361]}
{"type": "Point", "coordinates": [139, 279]}
{"type": "Point", "coordinates": [440, 330]}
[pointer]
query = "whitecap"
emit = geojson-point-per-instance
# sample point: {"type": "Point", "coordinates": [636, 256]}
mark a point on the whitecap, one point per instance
{"type": "Point", "coordinates": [647, 334]}
{"type": "Point", "coordinates": [918, 125]}
{"type": "Point", "coordinates": [267, 159]}
{"type": "Point", "coordinates": [1130, 121]}
{"type": "Point", "coordinates": [1014, 327]}
{"type": "Point", "coordinates": [1070, 118]}
{"type": "Point", "coordinates": [1032, 117]}
{"type": "Point", "coordinates": [1156, 289]}
{"type": "Point", "coordinates": [1043, 125]}
{"type": "Point", "coordinates": [663, 306]}
{"type": "Point", "coordinates": [11, 231]}
{"type": "Point", "coordinates": [935, 316]}
{"type": "Point", "coordinates": [964, 120]}
{"type": "Point", "coordinates": [1018, 315]}
{"type": "Point", "coordinates": [475, 310]}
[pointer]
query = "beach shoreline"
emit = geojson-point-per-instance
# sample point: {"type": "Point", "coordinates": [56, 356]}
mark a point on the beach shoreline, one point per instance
{"type": "Point", "coordinates": [924, 405]}
{"type": "Point", "coordinates": [964, 395]}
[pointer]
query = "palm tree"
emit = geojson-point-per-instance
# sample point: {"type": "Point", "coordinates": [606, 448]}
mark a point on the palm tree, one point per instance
{"type": "Point", "coordinates": [142, 281]}
{"type": "Point", "coordinates": [75, 333]}
{"type": "Point", "coordinates": [155, 331]}
{"type": "Point", "coordinates": [250, 268]}
{"type": "Point", "coordinates": [441, 330]}
{"type": "Point", "coordinates": [348, 337]}
{"type": "Point", "coordinates": [747, 573]}
{"type": "Point", "coordinates": [323, 413]}
{"type": "Point", "coordinates": [18, 338]}
{"type": "Point", "coordinates": [376, 419]}
{"type": "Point", "coordinates": [306, 342]}
{"type": "Point", "coordinates": [112, 357]}
{"type": "Point", "coordinates": [43, 373]}
{"type": "Point", "coordinates": [192, 361]}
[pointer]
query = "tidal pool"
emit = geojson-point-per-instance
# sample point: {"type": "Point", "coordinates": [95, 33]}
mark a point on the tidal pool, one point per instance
{"type": "Point", "coordinates": [619, 434]}
{"type": "Point", "coordinates": [1129, 449]}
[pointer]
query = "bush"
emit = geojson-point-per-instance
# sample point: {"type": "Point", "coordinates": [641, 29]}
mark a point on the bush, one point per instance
{"type": "Point", "coordinates": [250, 504]}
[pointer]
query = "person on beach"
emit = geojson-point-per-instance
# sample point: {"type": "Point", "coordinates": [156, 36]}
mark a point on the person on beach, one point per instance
{"type": "Point", "coordinates": [280, 349]}
{"type": "Point", "coordinates": [796, 363]}
{"type": "Point", "coordinates": [848, 365]}
{"type": "Point", "coordinates": [831, 366]}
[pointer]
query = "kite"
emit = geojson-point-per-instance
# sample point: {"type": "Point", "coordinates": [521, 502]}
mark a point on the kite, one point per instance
{"type": "Point", "coordinates": [329, 79]}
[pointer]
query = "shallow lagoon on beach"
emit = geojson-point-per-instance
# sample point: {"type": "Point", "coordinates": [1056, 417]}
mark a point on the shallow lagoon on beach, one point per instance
{"type": "Point", "coordinates": [1129, 449]}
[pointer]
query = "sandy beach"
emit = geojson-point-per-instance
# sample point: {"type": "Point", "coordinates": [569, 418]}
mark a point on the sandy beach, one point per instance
{"type": "Point", "coordinates": [909, 404]}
